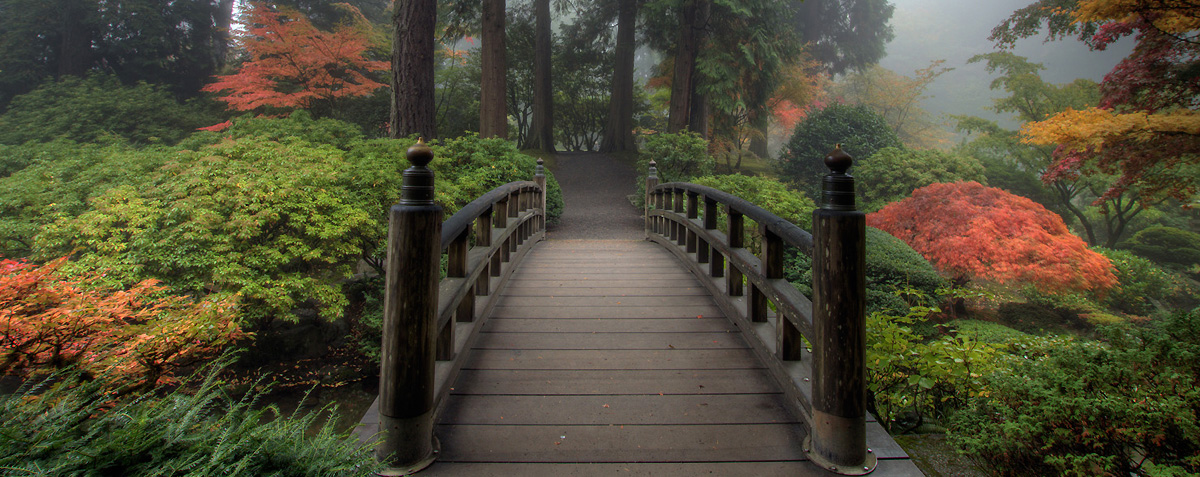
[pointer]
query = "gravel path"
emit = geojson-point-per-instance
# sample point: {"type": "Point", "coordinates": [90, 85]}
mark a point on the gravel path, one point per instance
{"type": "Point", "coordinates": [595, 189]}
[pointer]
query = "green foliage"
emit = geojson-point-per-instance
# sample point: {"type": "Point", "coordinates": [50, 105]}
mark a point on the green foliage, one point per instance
{"type": "Point", "coordinates": [68, 426]}
{"type": "Point", "coordinates": [893, 173]}
{"type": "Point", "coordinates": [457, 105]}
{"type": "Point", "coordinates": [994, 334]}
{"type": "Point", "coordinates": [100, 107]}
{"type": "Point", "coordinates": [1140, 284]}
{"type": "Point", "coordinates": [891, 266]}
{"type": "Point", "coordinates": [1166, 245]}
{"type": "Point", "coordinates": [1063, 406]}
{"type": "Point", "coordinates": [59, 181]}
{"type": "Point", "coordinates": [911, 379]}
{"type": "Point", "coordinates": [679, 157]}
{"type": "Point", "coordinates": [861, 132]}
{"type": "Point", "coordinates": [768, 193]}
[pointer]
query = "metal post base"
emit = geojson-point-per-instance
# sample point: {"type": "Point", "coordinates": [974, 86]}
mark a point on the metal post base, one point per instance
{"type": "Point", "coordinates": [866, 467]}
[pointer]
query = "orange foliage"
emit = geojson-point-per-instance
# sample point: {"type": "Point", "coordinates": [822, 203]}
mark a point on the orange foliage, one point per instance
{"type": "Point", "coordinates": [293, 64]}
{"type": "Point", "coordinates": [48, 322]}
{"type": "Point", "coordinates": [968, 230]}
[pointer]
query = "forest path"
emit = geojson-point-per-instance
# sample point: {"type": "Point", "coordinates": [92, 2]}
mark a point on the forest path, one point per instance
{"type": "Point", "coordinates": [595, 192]}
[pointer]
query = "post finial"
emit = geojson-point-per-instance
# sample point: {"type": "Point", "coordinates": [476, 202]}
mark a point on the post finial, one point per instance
{"type": "Point", "coordinates": [540, 170]}
{"type": "Point", "coordinates": [420, 155]}
{"type": "Point", "coordinates": [653, 172]}
{"type": "Point", "coordinates": [416, 186]}
{"type": "Point", "coordinates": [838, 186]}
{"type": "Point", "coordinates": [838, 161]}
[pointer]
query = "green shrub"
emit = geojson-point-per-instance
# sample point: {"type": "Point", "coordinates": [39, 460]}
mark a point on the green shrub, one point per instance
{"type": "Point", "coordinates": [1061, 406]}
{"type": "Point", "coordinates": [767, 193]}
{"type": "Point", "coordinates": [860, 130]}
{"type": "Point", "coordinates": [1167, 246]}
{"type": "Point", "coordinates": [893, 173]}
{"type": "Point", "coordinates": [99, 106]}
{"type": "Point", "coordinates": [987, 332]}
{"type": "Point", "coordinates": [678, 157]}
{"type": "Point", "coordinates": [67, 426]}
{"type": "Point", "coordinates": [1140, 283]}
{"type": "Point", "coordinates": [911, 379]}
{"type": "Point", "coordinates": [1042, 316]}
{"type": "Point", "coordinates": [891, 265]}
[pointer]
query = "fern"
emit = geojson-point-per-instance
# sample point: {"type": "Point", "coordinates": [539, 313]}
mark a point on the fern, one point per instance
{"type": "Point", "coordinates": [65, 425]}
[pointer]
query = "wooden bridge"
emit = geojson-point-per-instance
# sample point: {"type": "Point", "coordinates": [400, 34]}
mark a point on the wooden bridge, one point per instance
{"type": "Point", "coordinates": [683, 353]}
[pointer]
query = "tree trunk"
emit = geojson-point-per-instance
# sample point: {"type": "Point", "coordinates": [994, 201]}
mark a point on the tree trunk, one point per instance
{"type": "Point", "coordinates": [698, 113]}
{"type": "Point", "coordinates": [758, 136]}
{"type": "Point", "coordinates": [493, 116]}
{"type": "Point", "coordinates": [75, 40]}
{"type": "Point", "coordinates": [542, 134]}
{"type": "Point", "coordinates": [413, 110]}
{"type": "Point", "coordinates": [682, 85]}
{"type": "Point", "coordinates": [618, 135]}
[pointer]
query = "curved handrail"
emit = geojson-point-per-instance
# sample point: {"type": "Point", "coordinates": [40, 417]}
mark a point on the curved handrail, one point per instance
{"type": "Point", "coordinates": [428, 321]}
{"type": "Point", "coordinates": [791, 233]}
{"type": "Point", "coordinates": [827, 389]}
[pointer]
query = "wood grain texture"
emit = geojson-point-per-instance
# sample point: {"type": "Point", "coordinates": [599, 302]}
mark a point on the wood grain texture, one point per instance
{"type": "Point", "coordinates": [605, 357]}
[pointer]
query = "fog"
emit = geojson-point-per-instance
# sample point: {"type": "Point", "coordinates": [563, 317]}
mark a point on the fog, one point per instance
{"type": "Point", "coordinates": [956, 30]}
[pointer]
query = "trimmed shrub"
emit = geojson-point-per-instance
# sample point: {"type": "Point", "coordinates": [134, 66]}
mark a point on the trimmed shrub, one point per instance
{"type": "Point", "coordinates": [893, 173]}
{"type": "Point", "coordinates": [860, 130]}
{"type": "Point", "coordinates": [1167, 246]}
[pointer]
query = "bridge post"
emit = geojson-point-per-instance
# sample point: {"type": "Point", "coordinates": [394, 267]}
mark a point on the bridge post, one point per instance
{"type": "Point", "coordinates": [838, 440]}
{"type": "Point", "coordinates": [409, 322]}
{"type": "Point", "coordinates": [651, 182]}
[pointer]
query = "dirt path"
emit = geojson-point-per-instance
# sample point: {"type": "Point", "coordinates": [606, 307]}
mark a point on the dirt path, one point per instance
{"type": "Point", "coordinates": [595, 189]}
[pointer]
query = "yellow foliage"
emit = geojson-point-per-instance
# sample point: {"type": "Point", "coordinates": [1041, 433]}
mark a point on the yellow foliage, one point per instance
{"type": "Point", "coordinates": [1173, 18]}
{"type": "Point", "coordinates": [1093, 127]}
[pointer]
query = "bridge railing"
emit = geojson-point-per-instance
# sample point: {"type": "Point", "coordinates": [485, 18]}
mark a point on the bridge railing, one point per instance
{"type": "Point", "coordinates": [429, 320]}
{"type": "Point", "coordinates": [815, 351]}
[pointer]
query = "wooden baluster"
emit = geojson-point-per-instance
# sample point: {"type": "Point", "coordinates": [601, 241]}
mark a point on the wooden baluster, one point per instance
{"type": "Point", "coordinates": [758, 309]}
{"type": "Point", "coordinates": [651, 182]}
{"type": "Point", "coordinates": [483, 238]}
{"type": "Point", "coordinates": [456, 267]}
{"type": "Point", "coordinates": [716, 268]}
{"type": "Point", "coordinates": [660, 203]}
{"type": "Point", "coordinates": [406, 401]}
{"type": "Point", "coordinates": [514, 211]}
{"type": "Point", "coordinates": [737, 239]}
{"type": "Point", "coordinates": [680, 230]}
{"type": "Point", "coordinates": [668, 204]}
{"type": "Point", "coordinates": [838, 439]}
{"type": "Point", "coordinates": [500, 218]}
{"type": "Point", "coordinates": [692, 213]}
{"type": "Point", "coordinates": [710, 223]}
{"type": "Point", "coordinates": [789, 342]}
{"type": "Point", "coordinates": [539, 178]}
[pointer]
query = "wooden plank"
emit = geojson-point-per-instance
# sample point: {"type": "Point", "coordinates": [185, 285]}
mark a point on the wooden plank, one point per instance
{"type": "Point", "coordinates": [609, 325]}
{"type": "Point", "coordinates": [571, 410]}
{"type": "Point", "coordinates": [605, 381]}
{"type": "Point", "coordinates": [632, 359]}
{"type": "Point", "coordinates": [581, 444]}
{"type": "Point", "coordinates": [603, 301]}
{"type": "Point", "coordinates": [605, 291]}
{"type": "Point", "coordinates": [663, 276]}
{"type": "Point", "coordinates": [599, 283]}
{"type": "Point", "coordinates": [799, 468]}
{"type": "Point", "coordinates": [612, 341]}
{"type": "Point", "coordinates": [606, 312]}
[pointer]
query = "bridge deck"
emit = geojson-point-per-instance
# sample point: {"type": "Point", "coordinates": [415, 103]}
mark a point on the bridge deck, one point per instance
{"type": "Point", "coordinates": [596, 361]}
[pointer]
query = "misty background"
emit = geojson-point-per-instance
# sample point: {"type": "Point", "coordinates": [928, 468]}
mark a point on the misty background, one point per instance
{"type": "Point", "coordinates": [954, 30]}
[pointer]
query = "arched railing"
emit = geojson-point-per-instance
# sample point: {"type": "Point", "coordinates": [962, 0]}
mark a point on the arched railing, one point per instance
{"type": "Point", "coordinates": [428, 320]}
{"type": "Point", "coordinates": [828, 389]}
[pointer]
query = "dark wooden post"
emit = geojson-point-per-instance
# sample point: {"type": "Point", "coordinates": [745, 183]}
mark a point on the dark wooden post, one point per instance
{"type": "Point", "coordinates": [710, 223]}
{"type": "Point", "coordinates": [539, 177]}
{"type": "Point", "coordinates": [716, 267]}
{"type": "Point", "coordinates": [651, 181]}
{"type": "Point", "coordinates": [737, 239]}
{"type": "Point", "coordinates": [681, 231]}
{"type": "Point", "coordinates": [693, 212]}
{"type": "Point", "coordinates": [838, 439]}
{"type": "Point", "coordinates": [483, 238]}
{"type": "Point", "coordinates": [409, 321]}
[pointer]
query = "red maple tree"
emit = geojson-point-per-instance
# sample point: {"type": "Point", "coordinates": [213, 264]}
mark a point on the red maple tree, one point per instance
{"type": "Point", "coordinates": [294, 65]}
{"type": "Point", "coordinates": [968, 230]}
{"type": "Point", "coordinates": [49, 322]}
